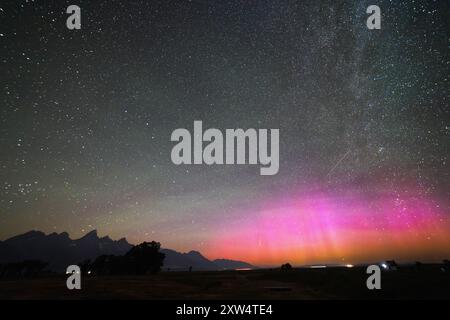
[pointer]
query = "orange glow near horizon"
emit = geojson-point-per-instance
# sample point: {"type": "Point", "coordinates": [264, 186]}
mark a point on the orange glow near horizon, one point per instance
{"type": "Point", "coordinates": [338, 229]}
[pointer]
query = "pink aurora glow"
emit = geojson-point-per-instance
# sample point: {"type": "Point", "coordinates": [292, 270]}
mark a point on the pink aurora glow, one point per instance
{"type": "Point", "coordinates": [337, 228]}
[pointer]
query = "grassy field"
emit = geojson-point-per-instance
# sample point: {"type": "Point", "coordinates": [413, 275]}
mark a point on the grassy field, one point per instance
{"type": "Point", "coordinates": [427, 282]}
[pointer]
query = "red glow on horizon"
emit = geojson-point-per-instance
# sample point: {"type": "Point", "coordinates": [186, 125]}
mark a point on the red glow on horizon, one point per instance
{"type": "Point", "coordinates": [324, 228]}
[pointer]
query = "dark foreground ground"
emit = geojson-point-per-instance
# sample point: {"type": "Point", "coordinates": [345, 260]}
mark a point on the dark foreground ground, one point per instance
{"type": "Point", "coordinates": [427, 282]}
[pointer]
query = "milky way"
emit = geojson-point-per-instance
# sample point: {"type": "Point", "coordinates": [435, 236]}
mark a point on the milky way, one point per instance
{"type": "Point", "coordinates": [86, 118]}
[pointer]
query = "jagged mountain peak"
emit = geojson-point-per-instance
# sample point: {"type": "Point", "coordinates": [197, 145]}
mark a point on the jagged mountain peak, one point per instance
{"type": "Point", "coordinates": [62, 235]}
{"type": "Point", "coordinates": [195, 253]}
{"type": "Point", "coordinates": [59, 250]}
{"type": "Point", "coordinates": [90, 235]}
{"type": "Point", "coordinates": [30, 235]}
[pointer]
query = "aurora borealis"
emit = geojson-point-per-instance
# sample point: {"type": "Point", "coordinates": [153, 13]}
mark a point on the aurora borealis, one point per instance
{"type": "Point", "coordinates": [344, 228]}
{"type": "Point", "coordinates": [87, 115]}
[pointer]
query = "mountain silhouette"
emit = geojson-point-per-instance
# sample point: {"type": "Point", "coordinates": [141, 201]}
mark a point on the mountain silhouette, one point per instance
{"type": "Point", "coordinates": [182, 261]}
{"type": "Point", "coordinates": [60, 251]}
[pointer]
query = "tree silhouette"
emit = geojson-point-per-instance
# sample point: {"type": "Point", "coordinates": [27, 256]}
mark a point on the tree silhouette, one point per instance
{"type": "Point", "coordinates": [146, 257]}
{"type": "Point", "coordinates": [141, 259]}
{"type": "Point", "coordinates": [286, 266]}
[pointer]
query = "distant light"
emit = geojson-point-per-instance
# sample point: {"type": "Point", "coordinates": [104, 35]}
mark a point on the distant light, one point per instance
{"type": "Point", "coordinates": [318, 267]}
{"type": "Point", "coordinates": [89, 272]}
{"type": "Point", "coordinates": [384, 265]}
{"type": "Point", "coordinates": [349, 265]}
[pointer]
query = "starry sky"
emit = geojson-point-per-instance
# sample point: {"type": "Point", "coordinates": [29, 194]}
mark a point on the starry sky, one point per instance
{"type": "Point", "coordinates": [86, 117]}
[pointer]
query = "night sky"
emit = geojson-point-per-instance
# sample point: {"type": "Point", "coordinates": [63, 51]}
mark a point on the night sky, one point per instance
{"type": "Point", "coordinates": [86, 118]}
